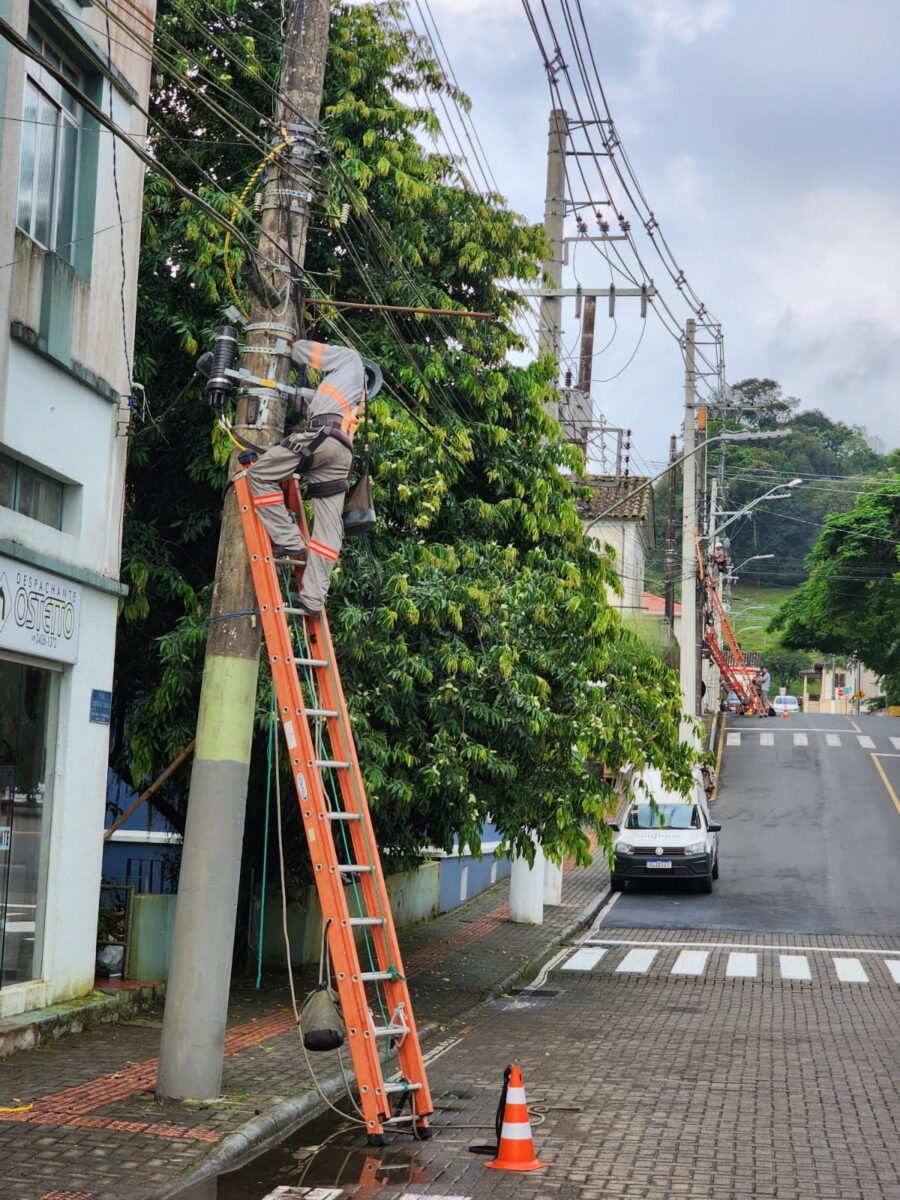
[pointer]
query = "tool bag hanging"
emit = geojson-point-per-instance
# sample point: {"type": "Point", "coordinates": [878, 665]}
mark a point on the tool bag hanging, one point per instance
{"type": "Point", "coordinates": [321, 1024]}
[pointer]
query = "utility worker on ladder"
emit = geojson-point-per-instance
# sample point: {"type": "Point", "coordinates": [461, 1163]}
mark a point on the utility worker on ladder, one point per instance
{"type": "Point", "coordinates": [323, 452]}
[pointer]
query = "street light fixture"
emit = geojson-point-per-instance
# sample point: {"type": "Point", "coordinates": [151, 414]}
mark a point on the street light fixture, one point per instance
{"type": "Point", "coordinates": [752, 558]}
{"type": "Point", "coordinates": [771, 494]}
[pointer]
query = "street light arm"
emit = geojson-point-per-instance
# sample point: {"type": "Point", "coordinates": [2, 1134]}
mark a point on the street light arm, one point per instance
{"type": "Point", "coordinates": [769, 495]}
{"type": "Point", "coordinates": [749, 436]}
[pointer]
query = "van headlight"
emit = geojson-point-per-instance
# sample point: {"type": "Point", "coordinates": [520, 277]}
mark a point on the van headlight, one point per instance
{"type": "Point", "coordinates": [624, 848]}
{"type": "Point", "coordinates": [696, 848]}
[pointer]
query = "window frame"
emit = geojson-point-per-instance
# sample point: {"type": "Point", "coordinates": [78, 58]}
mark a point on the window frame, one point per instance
{"type": "Point", "coordinates": [51, 91]}
{"type": "Point", "coordinates": [20, 469]}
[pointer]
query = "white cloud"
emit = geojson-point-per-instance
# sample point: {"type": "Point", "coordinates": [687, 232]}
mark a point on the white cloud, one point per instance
{"type": "Point", "coordinates": [679, 20]}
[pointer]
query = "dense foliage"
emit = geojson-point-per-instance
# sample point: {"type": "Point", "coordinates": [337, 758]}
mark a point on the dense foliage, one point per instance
{"type": "Point", "coordinates": [850, 603]}
{"type": "Point", "coordinates": [830, 456]}
{"type": "Point", "coordinates": [485, 668]}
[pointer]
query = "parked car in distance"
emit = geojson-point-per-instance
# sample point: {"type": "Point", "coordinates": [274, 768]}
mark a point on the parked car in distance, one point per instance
{"type": "Point", "coordinates": [783, 704]}
{"type": "Point", "coordinates": [673, 841]}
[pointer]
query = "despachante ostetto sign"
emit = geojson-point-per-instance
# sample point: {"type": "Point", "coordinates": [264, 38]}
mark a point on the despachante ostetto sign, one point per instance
{"type": "Point", "coordinates": [39, 612]}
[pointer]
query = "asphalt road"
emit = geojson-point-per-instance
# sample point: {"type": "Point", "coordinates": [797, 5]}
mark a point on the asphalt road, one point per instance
{"type": "Point", "coordinates": [811, 834]}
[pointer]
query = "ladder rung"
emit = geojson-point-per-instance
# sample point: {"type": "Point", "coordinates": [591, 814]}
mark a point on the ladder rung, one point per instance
{"type": "Point", "coordinates": [343, 816]}
{"type": "Point", "coordinates": [390, 1030]}
{"type": "Point", "coordinates": [354, 868]}
{"type": "Point", "coordinates": [401, 1087]}
{"type": "Point", "coordinates": [375, 976]}
{"type": "Point", "coordinates": [309, 662]}
{"type": "Point", "coordinates": [333, 763]}
{"type": "Point", "coordinates": [367, 920]}
{"type": "Point", "coordinates": [321, 712]}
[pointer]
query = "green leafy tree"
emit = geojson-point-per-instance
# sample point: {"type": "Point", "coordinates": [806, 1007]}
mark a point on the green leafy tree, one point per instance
{"type": "Point", "coordinates": [849, 603]}
{"type": "Point", "coordinates": [486, 672]}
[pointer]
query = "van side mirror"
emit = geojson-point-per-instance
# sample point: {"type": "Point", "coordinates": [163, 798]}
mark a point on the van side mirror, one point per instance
{"type": "Point", "coordinates": [714, 827]}
{"type": "Point", "coordinates": [613, 825]}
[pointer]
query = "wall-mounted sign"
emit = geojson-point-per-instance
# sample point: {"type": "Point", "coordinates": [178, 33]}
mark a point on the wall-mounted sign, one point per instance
{"type": "Point", "coordinates": [39, 612]}
{"type": "Point", "coordinates": [101, 706]}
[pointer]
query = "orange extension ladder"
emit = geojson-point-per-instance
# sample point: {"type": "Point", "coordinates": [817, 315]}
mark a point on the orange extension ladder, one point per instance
{"type": "Point", "coordinates": [735, 672]}
{"type": "Point", "coordinates": [335, 814]}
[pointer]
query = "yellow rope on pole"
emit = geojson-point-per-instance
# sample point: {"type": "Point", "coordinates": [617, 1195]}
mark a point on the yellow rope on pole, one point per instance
{"type": "Point", "coordinates": [234, 214]}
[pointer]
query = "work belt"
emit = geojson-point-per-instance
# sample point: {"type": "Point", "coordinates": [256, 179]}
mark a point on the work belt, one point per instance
{"type": "Point", "coordinates": [332, 428]}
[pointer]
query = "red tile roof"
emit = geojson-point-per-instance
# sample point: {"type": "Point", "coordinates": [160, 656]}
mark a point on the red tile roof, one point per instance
{"type": "Point", "coordinates": [656, 605]}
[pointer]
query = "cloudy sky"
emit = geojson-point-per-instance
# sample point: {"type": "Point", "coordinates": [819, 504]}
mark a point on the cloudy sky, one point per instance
{"type": "Point", "coordinates": [764, 134]}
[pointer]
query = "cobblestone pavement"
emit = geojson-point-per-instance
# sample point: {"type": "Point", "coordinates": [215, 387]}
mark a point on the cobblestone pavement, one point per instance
{"type": "Point", "coordinates": [78, 1119]}
{"type": "Point", "coordinates": [650, 1085]}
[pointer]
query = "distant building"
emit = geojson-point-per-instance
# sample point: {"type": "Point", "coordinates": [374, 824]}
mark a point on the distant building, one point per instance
{"type": "Point", "coordinates": [70, 207]}
{"type": "Point", "coordinates": [627, 528]}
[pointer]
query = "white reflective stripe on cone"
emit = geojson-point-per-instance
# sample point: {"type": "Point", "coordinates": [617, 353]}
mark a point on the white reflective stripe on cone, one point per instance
{"type": "Point", "coordinates": [515, 1095]}
{"type": "Point", "coordinates": [516, 1131]}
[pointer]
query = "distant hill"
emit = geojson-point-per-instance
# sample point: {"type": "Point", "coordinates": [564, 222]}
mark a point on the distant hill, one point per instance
{"type": "Point", "coordinates": [831, 457]}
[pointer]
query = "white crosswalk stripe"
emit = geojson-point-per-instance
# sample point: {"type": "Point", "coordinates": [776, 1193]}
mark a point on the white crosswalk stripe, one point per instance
{"type": "Point", "coordinates": [717, 962]}
{"type": "Point", "coordinates": [767, 739]}
{"type": "Point", "coordinates": [637, 962]}
{"type": "Point", "coordinates": [794, 966]}
{"type": "Point", "coordinates": [741, 966]}
{"type": "Point", "coordinates": [584, 960]}
{"type": "Point", "coordinates": [832, 739]}
{"type": "Point", "coordinates": [866, 742]}
{"type": "Point", "coordinates": [850, 970]}
{"type": "Point", "coordinates": [800, 739]}
{"type": "Point", "coordinates": [690, 962]}
{"type": "Point", "coordinates": [732, 739]}
{"type": "Point", "coordinates": [895, 742]}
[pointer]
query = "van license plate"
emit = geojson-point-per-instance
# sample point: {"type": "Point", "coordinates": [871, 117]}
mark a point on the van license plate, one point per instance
{"type": "Point", "coordinates": [659, 864]}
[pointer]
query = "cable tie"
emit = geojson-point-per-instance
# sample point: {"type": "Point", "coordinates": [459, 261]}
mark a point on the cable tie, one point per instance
{"type": "Point", "coordinates": [246, 612]}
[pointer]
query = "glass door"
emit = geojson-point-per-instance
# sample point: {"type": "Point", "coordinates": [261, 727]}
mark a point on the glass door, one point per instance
{"type": "Point", "coordinates": [24, 814]}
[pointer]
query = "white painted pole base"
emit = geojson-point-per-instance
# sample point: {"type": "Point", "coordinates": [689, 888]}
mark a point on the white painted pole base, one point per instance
{"type": "Point", "coordinates": [553, 879]}
{"type": "Point", "coordinates": [526, 890]}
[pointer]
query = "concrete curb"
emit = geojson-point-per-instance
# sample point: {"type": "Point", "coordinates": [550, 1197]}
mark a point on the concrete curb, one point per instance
{"type": "Point", "coordinates": [261, 1133]}
{"type": "Point", "coordinates": [27, 1030]}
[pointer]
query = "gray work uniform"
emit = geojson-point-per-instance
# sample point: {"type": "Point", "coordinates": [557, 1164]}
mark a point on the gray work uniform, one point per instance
{"type": "Point", "coordinates": [335, 404]}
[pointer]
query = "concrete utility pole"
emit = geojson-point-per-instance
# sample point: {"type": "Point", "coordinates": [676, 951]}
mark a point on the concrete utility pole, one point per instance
{"type": "Point", "coordinates": [190, 1064]}
{"type": "Point", "coordinates": [688, 648]}
{"type": "Point", "coordinates": [550, 325]}
{"type": "Point", "coordinates": [670, 536]}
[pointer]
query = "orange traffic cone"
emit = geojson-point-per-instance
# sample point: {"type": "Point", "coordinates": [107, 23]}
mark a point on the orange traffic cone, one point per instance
{"type": "Point", "coordinates": [516, 1149]}
{"type": "Point", "coordinates": [785, 713]}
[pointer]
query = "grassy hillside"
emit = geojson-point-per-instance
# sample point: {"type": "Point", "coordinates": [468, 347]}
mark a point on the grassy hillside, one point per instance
{"type": "Point", "coordinates": [752, 608]}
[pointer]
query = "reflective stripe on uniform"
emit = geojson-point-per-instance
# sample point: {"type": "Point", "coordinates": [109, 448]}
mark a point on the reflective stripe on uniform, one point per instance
{"type": "Point", "coordinates": [268, 498]}
{"type": "Point", "coordinates": [515, 1131]}
{"type": "Point", "coordinates": [323, 550]}
{"type": "Point", "coordinates": [316, 355]}
{"type": "Point", "coordinates": [333, 393]}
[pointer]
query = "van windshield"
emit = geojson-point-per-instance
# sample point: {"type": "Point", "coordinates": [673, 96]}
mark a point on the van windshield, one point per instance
{"type": "Point", "coordinates": [667, 816]}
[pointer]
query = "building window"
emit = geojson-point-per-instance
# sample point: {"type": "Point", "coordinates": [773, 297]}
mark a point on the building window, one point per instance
{"type": "Point", "coordinates": [30, 492]}
{"type": "Point", "coordinates": [25, 694]}
{"type": "Point", "coordinates": [48, 164]}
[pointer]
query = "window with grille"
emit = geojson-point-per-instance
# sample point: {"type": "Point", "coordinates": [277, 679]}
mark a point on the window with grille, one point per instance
{"type": "Point", "coordinates": [31, 492]}
{"type": "Point", "coordinates": [52, 121]}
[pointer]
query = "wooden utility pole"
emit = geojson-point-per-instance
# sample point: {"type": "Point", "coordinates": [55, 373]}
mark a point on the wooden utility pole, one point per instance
{"type": "Point", "coordinates": [585, 371]}
{"type": "Point", "coordinates": [193, 1035]}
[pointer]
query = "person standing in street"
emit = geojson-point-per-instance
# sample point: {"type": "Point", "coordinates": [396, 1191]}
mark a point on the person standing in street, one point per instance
{"type": "Point", "coordinates": [323, 452]}
{"type": "Point", "coordinates": [765, 682]}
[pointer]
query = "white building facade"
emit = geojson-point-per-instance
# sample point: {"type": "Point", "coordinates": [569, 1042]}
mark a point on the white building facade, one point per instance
{"type": "Point", "coordinates": [70, 206]}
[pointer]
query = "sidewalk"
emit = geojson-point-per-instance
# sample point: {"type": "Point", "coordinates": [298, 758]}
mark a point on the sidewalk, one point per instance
{"type": "Point", "coordinates": [78, 1119]}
